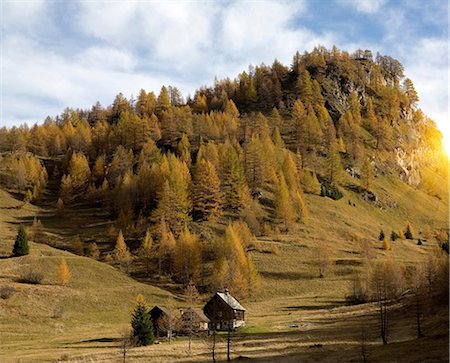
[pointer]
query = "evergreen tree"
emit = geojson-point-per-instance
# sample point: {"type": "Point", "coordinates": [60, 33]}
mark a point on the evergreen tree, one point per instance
{"type": "Point", "coordinates": [409, 232]}
{"type": "Point", "coordinates": [21, 245]}
{"type": "Point", "coordinates": [394, 236]}
{"type": "Point", "coordinates": [141, 323]}
{"type": "Point", "coordinates": [381, 236]}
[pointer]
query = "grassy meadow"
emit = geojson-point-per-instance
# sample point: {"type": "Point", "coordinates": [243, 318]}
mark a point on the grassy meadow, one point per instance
{"type": "Point", "coordinates": [296, 316]}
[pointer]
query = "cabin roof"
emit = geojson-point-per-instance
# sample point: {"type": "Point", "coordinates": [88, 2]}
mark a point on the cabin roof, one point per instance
{"type": "Point", "coordinates": [162, 308]}
{"type": "Point", "coordinates": [230, 300]}
{"type": "Point", "coordinates": [200, 314]}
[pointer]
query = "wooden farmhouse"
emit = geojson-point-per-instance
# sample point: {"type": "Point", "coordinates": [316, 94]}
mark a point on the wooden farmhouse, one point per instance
{"type": "Point", "coordinates": [195, 319]}
{"type": "Point", "coordinates": [224, 312]}
{"type": "Point", "coordinates": [163, 321]}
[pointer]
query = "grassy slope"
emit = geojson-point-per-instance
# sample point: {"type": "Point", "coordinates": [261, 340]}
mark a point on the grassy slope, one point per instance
{"type": "Point", "coordinates": [98, 301]}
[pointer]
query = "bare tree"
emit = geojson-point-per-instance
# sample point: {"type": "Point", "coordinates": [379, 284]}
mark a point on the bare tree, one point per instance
{"type": "Point", "coordinates": [322, 257]}
{"type": "Point", "coordinates": [364, 353]}
{"type": "Point", "coordinates": [170, 320]}
{"type": "Point", "coordinates": [191, 299]}
{"type": "Point", "coordinates": [418, 285]}
{"type": "Point", "coordinates": [386, 281]}
{"type": "Point", "coordinates": [127, 341]}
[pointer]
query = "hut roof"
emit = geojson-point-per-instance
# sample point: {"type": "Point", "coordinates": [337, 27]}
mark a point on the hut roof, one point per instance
{"type": "Point", "coordinates": [230, 300]}
{"type": "Point", "coordinates": [198, 312]}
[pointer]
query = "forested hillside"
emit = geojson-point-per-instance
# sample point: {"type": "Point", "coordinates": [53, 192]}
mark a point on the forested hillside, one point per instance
{"type": "Point", "coordinates": [186, 185]}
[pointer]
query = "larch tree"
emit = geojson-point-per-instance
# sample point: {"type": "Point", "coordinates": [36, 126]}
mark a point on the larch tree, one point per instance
{"type": "Point", "coordinates": [175, 203]}
{"type": "Point", "coordinates": [192, 297]}
{"type": "Point", "coordinates": [63, 273]}
{"type": "Point", "coordinates": [162, 102]}
{"type": "Point", "coordinates": [284, 211]}
{"type": "Point", "coordinates": [184, 150]}
{"type": "Point", "coordinates": [121, 252]}
{"type": "Point", "coordinates": [166, 247]}
{"type": "Point", "coordinates": [370, 120]}
{"type": "Point", "coordinates": [187, 257]}
{"type": "Point", "coordinates": [333, 166]}
{"type": "Point", "coordinates": [206, 193]}
{"type": "Point", "coordinates": [299, 126]}
{"type": "Point", "coordinates": [367, 174]}
{"type": "Point", "coordinates": [234, 185]}
{"type": "Point", "coordinates": [94, 251]}
{"type": "Point", "coordinates": [254, 164]}
{"type": "Point", "coordinates": [79, 171]}
{"type": "Point", "coordinates": [146, 251]}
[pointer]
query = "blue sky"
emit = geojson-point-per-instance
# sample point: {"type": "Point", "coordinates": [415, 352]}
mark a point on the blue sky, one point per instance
{"type": "Point", "coordinates": [73, 53]}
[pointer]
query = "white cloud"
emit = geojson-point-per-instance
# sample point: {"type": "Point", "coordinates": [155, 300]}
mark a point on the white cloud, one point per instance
{"type": "Point", "coordinates": [365, 6]}
{"type": "Point", "coordinates": [124, 46]}
{"type": "Point", "coordinates": [427, 65]}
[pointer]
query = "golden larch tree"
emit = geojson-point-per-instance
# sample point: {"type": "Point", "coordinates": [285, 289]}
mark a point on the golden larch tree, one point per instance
{"type": "Point", "coordinates": [63, 273]}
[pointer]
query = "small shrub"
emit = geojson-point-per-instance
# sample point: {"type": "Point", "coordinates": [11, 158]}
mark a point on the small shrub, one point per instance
{"type": "Point", "coordinates": [444, 247]}
{"type": "Point", "coordinates": [386, 244]}
{"type": "Point", "coordinates": [31, 276]}
{"type": "Point", "coordinates": [441, 236]}
{"type": "Point", "coordinates": [394, 236]}
{"type": "Point", "coordinates": [408, 232]}
{"type": "Point", "coordinates": [381, 236]}
{"type": "Point", "coordinates": [58, 312]}
{"type": "Point", "coordinates": [275, 250]}
{"type": "Point", "coordinates": [330, 191]}
{"type": "Point", "coordinates": [419, 242]}
{"type": "Point", "coordinates": [6, 292]}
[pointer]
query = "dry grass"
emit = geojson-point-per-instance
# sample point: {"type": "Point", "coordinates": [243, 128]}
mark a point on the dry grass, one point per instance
{"type": "Point", "coordinates": [295, 317]}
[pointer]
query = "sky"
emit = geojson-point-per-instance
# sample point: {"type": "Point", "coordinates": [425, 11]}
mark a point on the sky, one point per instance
{"type": "Point", "coordinates": [58, 54]}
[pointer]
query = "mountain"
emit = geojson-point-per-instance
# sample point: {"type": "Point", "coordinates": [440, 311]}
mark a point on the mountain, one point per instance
{"type": "Point", "coordinates": [285, 184]}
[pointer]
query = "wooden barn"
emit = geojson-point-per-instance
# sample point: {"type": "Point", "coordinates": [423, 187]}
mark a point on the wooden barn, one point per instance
{"type": "Point", "coordinates": [195, 318]}
{"type": "Point", "coordinates": [163, 321]}
{"type": "Point", "coordinates": [224, 312]}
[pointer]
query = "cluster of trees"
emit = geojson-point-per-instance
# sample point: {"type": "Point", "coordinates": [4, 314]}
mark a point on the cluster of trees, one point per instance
{"type": "Point", "coordinates": [385, 281]}
{"type": "Point", "coordinates": [246, 150]}
{"type": "Point", "coordinates": [25, 173]}
{"type": "Point", "coordinates": [185, 258]}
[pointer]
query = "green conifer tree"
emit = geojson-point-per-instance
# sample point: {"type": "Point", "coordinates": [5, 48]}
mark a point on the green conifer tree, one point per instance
{"type": "Point", "coordinates": [142, 324]}
{"type": "Point", "coordinates": [21, 247]}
